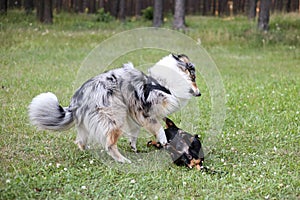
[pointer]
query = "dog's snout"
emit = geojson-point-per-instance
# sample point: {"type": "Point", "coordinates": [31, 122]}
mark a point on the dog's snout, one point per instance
{"type": "Point", "coordinates": [198, 94]}
{"type": "Point", "coordinates": [195, 90]}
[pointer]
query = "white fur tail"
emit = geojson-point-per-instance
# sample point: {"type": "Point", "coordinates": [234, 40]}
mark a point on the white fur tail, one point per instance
{"type": "Point", "coordinates": [46, 113]}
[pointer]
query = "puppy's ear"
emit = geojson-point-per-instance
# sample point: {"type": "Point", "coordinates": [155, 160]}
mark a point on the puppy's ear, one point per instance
{"type": "Point", "coordinates": [169, 123]}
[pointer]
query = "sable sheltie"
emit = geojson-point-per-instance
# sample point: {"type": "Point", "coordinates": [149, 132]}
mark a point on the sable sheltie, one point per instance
{"type": "Point", "coordinates": [118, 102]}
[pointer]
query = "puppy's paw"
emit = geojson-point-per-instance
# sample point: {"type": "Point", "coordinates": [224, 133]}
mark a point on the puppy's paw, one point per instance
{"type": "Point", "coordinates": [155, 144]}
{"type": "Point", "coordinates": [150, 143]}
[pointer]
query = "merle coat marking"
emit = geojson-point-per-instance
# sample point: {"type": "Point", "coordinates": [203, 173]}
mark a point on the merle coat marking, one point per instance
{"type": "Point", "coordinates": [118, 102]}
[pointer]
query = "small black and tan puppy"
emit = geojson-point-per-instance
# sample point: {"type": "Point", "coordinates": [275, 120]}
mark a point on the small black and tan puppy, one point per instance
{"type": "Point", "coordinates": [185, 149]}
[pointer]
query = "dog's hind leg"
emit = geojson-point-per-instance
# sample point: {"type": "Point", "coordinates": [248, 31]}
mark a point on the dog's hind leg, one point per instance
{"type": "Point", "coordinates": [112, 148]}
{"type": "Point", "coordinates": [81, 139]}
{"type": "Point", "coordinates": [133, 138]}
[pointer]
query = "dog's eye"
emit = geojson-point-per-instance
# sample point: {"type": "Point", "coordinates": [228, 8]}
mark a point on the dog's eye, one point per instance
{"type": "Point", "coordinates": [190, 66]}
{"type": "Point", "coordinates": [193, 77]}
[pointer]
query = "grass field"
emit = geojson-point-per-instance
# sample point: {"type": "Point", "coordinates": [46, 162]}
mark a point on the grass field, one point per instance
{"type": "Point", "coordinates": [259, 146]}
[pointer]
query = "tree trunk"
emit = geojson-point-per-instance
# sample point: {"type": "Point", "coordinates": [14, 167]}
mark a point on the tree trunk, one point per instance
{"type": "Point", "coordinates": [158, 13]}
{"type": "Point", "coordinates": [29, 6]}
{"type": "Point", "coordinates": [101, 4]}
{"type": "Point", "coordinates": [288, 6]}
{"type": "Point", "coordinates": [138, 8]}
{"type": "Point", "coordinates": [114, 7]}
{"type": "Point", "coordinates": [206, 7]}
{"type": "Point", "coordinates": [235, 6]}
{"type": "Point", "coordinates": [192, 7]}
{"type": "Point", "coordinates": [121, 14]}
{"type": "Point", "coordinates": [91, 6]}
{"type": "Point", "coordinates": [223, 5]}
{"type": "Point", "coordinates": [58, 6]}
{"type": "Point", "coordinates": [77, 6]}
{"type": "Point", "coordinates": [295, 5]}
{"type": "Point", "coordinates": [179, 15]}
{"type": "Point", "coordinates": [66, 6]}
{"type": "Point", "coordinates": [44, 12]}
{"type": "Point", "coordinates": [214, 7]}
{"type": "Point", "coordinates": [264, 15]}
{"type": "Point", "coordinates": [3, 7]}
{"type": "Point", "coordinates": [252, 9]}
{"type": "Point", "coordinates": [14, 3]}
{"type": "Point", "coordinates": [279, 5]}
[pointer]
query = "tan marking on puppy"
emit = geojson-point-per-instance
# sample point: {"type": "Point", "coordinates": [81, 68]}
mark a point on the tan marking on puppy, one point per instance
{"type": "Point", "coordinates": [196, 161]}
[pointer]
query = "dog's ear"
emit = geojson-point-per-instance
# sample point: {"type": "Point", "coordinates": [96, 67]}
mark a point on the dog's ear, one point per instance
{"type": "Point", "coordinates": [175, 57]}
{"type": "Point", "coordinates": [181, 61]}
{"type": "Point", "coordinates": [169, 123]}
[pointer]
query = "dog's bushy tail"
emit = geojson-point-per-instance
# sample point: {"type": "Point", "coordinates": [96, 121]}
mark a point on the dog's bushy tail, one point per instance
{"type": "Point", "coordinates": [46, 113]}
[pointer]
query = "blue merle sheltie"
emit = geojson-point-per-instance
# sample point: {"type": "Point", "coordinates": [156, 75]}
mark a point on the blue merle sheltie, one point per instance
{"type": "Point", "coordinates": [120, 101]}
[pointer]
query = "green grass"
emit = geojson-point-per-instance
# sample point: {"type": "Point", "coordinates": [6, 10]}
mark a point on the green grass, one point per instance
{"type": "Point", "coordinates": [259, 146]}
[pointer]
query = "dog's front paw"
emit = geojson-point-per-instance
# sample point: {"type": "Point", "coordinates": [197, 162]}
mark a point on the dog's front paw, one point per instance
{"type": "Point", "coordinates": [161, 137]}
{"type": "Point", "coordinates": [133, 148]}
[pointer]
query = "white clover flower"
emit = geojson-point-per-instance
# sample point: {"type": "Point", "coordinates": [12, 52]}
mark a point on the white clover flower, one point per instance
{"type": "Point", "coordinates": [132, 181]}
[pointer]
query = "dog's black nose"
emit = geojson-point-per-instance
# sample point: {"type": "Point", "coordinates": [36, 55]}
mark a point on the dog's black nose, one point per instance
{"type": "Point", "coordinates": [196, 92]}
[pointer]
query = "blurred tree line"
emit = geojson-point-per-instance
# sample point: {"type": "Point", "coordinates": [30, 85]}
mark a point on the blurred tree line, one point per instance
{"type": "Point", "coordinates": [120, 9]}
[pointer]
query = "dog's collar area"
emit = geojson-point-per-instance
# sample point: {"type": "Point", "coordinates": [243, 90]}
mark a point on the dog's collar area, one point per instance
{"type": "Point", "coordinates": [159, 87]}
{"type": "Point", "coordinates": [153, 84]}
{"type": "Point", "coordinates": [148, 87]}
